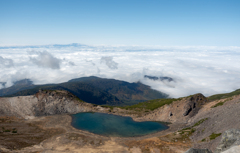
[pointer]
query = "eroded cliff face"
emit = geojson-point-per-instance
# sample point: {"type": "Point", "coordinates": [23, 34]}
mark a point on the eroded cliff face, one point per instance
{"type": "Point", "coordinates": [44, 103]}
{"type": "Point", "coordinates": [21, 107]}
{"type": "Point", "coordinates": [179, 111]}
{"type": "Point", "coordinates": [59, 102]}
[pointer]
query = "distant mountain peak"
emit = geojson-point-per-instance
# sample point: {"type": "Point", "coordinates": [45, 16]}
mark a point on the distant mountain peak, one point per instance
{"type": "Point", "coordinates": [3, 84]}
{"type": "Point", "coordinates": [163, 78]}
{"type": "Point", "coordinates": [23, 82]}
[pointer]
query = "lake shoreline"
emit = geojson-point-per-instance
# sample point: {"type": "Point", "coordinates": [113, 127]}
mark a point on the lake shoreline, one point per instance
{"type": "Point", "coordinates": [112, 125]}
{"type": "Point", "coordinates": [68, 120]}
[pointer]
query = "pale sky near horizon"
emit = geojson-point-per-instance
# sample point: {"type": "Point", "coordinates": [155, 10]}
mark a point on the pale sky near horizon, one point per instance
{"type": "Point", "coordinates": [120, 22]}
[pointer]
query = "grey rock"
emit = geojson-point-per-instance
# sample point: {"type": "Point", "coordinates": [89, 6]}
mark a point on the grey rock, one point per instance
{"type": "Point", "coordinates": [191, 150]}
{"type": "Point", "coordinates": [234, 149]}
{"type": "Point", "coordinates": [229, 139]}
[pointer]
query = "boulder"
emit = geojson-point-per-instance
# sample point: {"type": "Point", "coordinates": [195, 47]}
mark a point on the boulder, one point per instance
{"type": "Point", "coordinates": [234, 149]}
{"type": "Point", "coordinates": [229, 139]}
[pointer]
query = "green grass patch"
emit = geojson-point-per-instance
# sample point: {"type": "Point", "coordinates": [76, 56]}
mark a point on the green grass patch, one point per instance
{"type": "Point", "coordinates": [188, 128]}
{"type": "Point", "coordinates": [188, 131]}
{"type": "Point", "coordinates": [7, 130]}
{"type": "Point", "coordinates": [218, 104]}
{"type": "Point", "coordinates": [192, 131]}
{"type": "Point", "coordinates": [185, 133]}
{"type": "Point", "coordinates": [222, 96]}
{"type": "Point", "coordinates": [200, 122]}
{"type": "Point", "coordinates": [106, 106]}
{"type": "Point", "coordinates": [221, 103]}
{"type": "Point", "coordinates": [150, 105]}
{"type": "Point", "coordinates": [214, 135]}
{"type": "Point", "coordinates": [78, 99]}
{"type": "Point", "coordinates": [203, 140]}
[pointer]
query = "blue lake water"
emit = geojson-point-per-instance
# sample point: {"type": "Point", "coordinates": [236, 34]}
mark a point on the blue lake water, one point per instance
{"type": "Point", "coordinates": [113, 125]}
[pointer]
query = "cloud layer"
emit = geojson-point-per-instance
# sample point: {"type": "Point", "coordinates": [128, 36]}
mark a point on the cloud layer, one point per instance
{"type": "Point", "coordinates": [108, 60]}
{"type": "Point", "coordinates": [207, 70]}
{"type": "Point", "coordinates": [45, 59]}
{"type": "Point", "coordinates": [5, 62]}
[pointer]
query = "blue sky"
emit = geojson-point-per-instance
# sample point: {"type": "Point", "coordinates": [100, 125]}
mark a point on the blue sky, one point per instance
{"type": "Point", "coordinates": [120, 22]}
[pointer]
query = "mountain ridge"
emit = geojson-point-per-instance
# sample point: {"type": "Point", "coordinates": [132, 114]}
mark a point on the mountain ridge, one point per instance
{"type": "Point", "coordinates": [94, 90]}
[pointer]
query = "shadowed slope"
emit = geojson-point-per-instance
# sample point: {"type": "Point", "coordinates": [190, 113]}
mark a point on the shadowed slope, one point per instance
{"type": "Point", "coordinates": [96, 90]}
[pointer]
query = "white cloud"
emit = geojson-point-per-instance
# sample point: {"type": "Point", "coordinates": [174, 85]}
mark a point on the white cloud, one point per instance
{"type": "Point", "coordinates": [108, 60]}
{"type": "Point", "coordinates": [5, 62]}
{"type": "Point", "coordinates": [45, 59]}
{"type": "Point", "coordinates": [207, 70]}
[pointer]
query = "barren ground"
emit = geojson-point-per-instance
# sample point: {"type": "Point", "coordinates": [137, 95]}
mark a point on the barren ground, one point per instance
{"type": "Point", "coordinates": [57, 135]}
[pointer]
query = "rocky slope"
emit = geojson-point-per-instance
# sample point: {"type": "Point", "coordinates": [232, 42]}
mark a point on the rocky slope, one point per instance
{"type": "Point", "coordinates": [196, 122]}
{"type": "Point", "coordinates": [203, 121]}
{"type": "Point", "coordinates": [230, 143]}
{"type": "Point", "coordinates": [179, 111]}
{"type": "Point", "coordinates": [44, 103]}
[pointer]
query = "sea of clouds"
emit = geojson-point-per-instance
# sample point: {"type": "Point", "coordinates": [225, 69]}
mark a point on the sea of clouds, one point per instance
{"type": "Point", "coordinates": [207, 70]}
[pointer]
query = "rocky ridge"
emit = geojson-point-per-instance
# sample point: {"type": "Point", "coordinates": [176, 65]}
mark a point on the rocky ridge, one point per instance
{"type": "Point", "coordinates": [195, 119]}
{"type": "Point", "coordinates": [45, 103]}
{"type": "Point", "coordinates": [179, 111]}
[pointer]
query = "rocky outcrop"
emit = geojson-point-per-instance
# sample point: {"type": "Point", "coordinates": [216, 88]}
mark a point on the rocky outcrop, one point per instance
{"type": "Point", "coordinates": [21, 107]}
{"type": "Point", "coordinates": [45, 103]}
{"type": "Point", "coordinates": [234, 149]}
{"type": "Point", "coordinates": [179, 111]}
{"type": "Point", "coordinates": [230, 138]}
{"type": "Point", "coordinates": [59, 102]}
{"type": "Point", "coordinates": [230, 143]}
{"type": "Point", "coordinates": [192, 150]}
{"type": "Point", "coordinates": [193, 104]}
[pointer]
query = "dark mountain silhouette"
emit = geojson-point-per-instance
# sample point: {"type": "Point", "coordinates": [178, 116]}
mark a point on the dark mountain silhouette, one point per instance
{"type": "Point", "coordinates": [94, 90]}
{"type": "Point", "coordinates": [17, 86]}
{"type": "Point", "coordinates": [3, 84]}
{"type": "Point", "coordinates": [169, 79]}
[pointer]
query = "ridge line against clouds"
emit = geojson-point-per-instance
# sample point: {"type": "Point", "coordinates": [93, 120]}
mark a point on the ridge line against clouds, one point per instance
{"type": "Point", "coordinates": [209, 70]}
